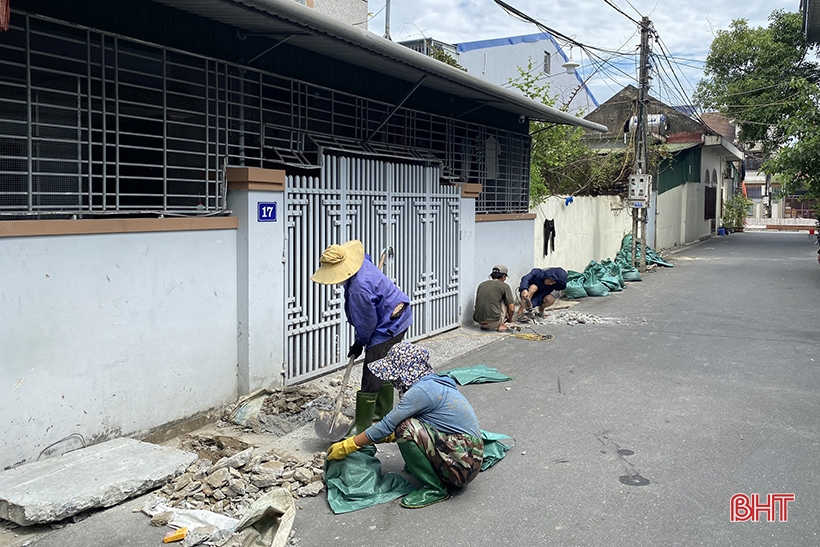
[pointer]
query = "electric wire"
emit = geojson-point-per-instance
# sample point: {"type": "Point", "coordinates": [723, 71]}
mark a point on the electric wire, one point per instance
{"type": "Point", "coordinates": [619, 10]}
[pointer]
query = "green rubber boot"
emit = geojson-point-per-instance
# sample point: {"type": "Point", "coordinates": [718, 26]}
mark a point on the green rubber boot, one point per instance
{"type": "Point", "coordinates": [417, 464]}
{"type": "Point", "coordinates": [384, 402]}
{"type": "Point", "coordinates": [365, 403]}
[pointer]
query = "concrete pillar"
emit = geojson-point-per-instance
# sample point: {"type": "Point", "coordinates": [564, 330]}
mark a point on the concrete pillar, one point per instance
{"type": "Point", "coordinates": [256, 197]}
{"type": "Point", "coordinates": [467, 270]}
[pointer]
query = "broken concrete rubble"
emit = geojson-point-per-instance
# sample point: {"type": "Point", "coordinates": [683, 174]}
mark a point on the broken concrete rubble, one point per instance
{"type": "Point", "coordinates": [235, 481]}
{"type": "Point", "coordinates": [280, 411]}
{"type": "Point", "coordinates": [58, 488]}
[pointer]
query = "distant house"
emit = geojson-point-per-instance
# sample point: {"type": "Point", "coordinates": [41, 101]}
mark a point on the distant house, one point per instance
{"type": "Point", "coordinates": [498, 60]}
{"type": "Point", "coordinates": [689, 187]}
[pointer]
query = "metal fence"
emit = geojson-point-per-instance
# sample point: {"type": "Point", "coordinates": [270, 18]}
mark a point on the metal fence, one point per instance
{"type": "Point", "coordinates": [398, 211]}
{"type": "Point", "coordinates": [96, 124]}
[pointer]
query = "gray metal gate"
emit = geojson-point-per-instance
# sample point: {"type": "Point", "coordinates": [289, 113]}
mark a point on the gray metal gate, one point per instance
{"type": "Point", "coordinates": [399, 210]}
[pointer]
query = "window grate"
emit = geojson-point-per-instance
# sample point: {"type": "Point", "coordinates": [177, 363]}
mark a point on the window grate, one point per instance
{"type": "Point", "coordinates": [94, 124]}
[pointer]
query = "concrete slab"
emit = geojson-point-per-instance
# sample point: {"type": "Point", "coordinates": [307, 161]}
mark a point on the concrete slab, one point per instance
{"type": "Point", "coordinates": [97, 476]}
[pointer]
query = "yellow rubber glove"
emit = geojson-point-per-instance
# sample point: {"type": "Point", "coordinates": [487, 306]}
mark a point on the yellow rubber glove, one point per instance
{"type": "Point", "coordinates": [342, 449]}
{"type": "Point", "coordinates": [389, 439]}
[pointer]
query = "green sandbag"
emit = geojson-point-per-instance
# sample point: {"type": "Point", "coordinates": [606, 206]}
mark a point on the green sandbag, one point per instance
{"type": "Point", "coordinates": [628, 271]}
{"type": "Point", "coordinates": [575, 285]}
{"type": "Point", "coordinates": [603, 275]}
{"type": "Point", "coordinates": [357, 482]}
{"type": "Point", "coordinates": [632, 275]}
{"type": "Point", "coordinates": [614, 270]}
{"type": "Point", "coordinates": [651, 256]}
{"type": "Point", "coordinates": [593, 285]}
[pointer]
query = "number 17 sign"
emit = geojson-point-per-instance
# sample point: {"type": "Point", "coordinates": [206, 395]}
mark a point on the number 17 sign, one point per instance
{"type": "Point", "coordinates": [266, 212]}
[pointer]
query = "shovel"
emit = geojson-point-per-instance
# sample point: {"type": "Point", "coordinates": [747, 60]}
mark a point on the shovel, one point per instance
{"type": "Point", "coordinates": [333, 426]}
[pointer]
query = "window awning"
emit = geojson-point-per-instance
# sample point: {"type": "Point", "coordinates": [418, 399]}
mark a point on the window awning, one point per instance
{"type": "Point", "coordinates": [307, 29]}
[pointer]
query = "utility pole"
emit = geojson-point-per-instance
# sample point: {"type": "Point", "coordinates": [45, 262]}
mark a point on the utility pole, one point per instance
{"type": "Point", "coordinates": [640, 183]}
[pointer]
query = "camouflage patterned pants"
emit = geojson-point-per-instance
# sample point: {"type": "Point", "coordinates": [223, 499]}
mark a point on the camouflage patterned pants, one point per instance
{"type": "Point", "coordinates": [456, 457]}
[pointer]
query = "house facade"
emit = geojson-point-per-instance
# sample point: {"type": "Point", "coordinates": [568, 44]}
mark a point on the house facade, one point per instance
{"type": "Point", "coordinates": [702, 170]}
{"type": "Point", "coordinates": [171, 172]}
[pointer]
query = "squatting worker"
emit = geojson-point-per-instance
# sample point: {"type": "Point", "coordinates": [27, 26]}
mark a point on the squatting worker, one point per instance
{"type": "Point", "coordinates": [434, 425]}
{"type": "Point", "coordinates": [494, 302]}
{"type": "Point", "coordinates": [537, 287]}
{"type": "Point", "coordinates": [380, 314]}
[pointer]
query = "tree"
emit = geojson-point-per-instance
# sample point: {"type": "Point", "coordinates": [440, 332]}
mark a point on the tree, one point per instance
{"type": "Point", "coordinates": [437, 52]}
{"type": "Point", "coordinates": [798, 161]}
{"type": "Point", "coordinates": [561, 163]}
{"type": "Point", "coordinates": [760, 79]}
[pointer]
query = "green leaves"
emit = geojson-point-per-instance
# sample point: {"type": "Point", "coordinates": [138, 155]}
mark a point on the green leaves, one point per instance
{"type": "Point", "coordinates": [561, 162]}
{"type": "Point", "coordinates": [760, 78]}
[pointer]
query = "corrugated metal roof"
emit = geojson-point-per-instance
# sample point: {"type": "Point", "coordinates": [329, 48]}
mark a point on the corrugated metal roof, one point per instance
{"type": "Point", "coordinates": [673, 147]}
{"type": "Point", "coordinates": [326, 36]}
{"type": "Point", "coordinates": [678, 146]}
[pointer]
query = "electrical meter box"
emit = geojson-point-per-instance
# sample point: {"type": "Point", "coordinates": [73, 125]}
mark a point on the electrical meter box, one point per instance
{"type": "Point", "coordinates": [639, 186]}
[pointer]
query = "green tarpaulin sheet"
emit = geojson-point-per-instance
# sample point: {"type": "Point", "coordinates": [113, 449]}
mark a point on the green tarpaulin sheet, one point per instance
{"type": "Point", "coordinates": [496, 446]}
{"type": "Point", "coordinates": [357, 482]}
{"type": "Point", "coordinates": [476, 374]}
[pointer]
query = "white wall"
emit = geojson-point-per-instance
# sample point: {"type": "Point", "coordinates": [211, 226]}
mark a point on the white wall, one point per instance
{"type": "Point", "coordinates": [680, 216]}
{"type": "Point", "coordinates": [508, 242]}
{"type": "Point", "coordinates": [589, 228]}
{"type": "Point", "coordinates": [669, 220]}
{"type": "Point", "coordinates": [112, 334]}
{"type": "Point", "coordinates": [695, 225]}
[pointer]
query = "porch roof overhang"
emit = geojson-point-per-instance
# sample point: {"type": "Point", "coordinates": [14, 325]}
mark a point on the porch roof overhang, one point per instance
{"type": "Point", "coordinates": [319, 33]}
{"type": "Point", "coordinates": [718, 141]}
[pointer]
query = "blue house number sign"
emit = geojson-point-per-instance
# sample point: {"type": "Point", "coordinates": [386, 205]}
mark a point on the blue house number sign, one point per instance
{"type": "Point", "coordinates": [266, 212]}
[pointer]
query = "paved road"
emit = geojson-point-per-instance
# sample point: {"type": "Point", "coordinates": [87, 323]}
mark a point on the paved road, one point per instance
{"type": "Point", "coordinates": [705, 383]}
{"type": "Point", "coordinates": [709, 386]}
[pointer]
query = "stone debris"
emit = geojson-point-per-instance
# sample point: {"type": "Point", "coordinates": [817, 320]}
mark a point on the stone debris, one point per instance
{"type": "Point", "coordinates": [231, 484]}
{"type": "Point", "coordinates": [284, 409]}
{"type": "Point", "coordinates": [575, 318]}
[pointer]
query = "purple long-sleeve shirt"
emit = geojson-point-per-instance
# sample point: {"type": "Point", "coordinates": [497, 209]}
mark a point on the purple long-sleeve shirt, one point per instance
{"type": "Point", "coordinates": [370, 298]}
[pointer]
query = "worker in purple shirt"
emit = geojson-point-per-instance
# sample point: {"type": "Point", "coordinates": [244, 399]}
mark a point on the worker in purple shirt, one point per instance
{"type": "Point", "coordinates": [536, 290]}
{"type": "Point", "coordinates": [380, 314]}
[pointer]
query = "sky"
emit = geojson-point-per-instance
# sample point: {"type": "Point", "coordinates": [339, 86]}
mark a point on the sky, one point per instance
{"type": "Point", "coordinates": [685, 27]}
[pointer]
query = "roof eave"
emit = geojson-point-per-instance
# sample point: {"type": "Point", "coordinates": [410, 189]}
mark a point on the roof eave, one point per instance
{"type": "Point", "coordinates": [323, 34]}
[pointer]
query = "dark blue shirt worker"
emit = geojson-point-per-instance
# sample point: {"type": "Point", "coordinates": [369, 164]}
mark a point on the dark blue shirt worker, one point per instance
{"type": "Point", "coordinates": [536, 290]}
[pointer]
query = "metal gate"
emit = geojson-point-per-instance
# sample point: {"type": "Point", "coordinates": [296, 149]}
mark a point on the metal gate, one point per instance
{"type": "Point", "coordinates": [399, 211]}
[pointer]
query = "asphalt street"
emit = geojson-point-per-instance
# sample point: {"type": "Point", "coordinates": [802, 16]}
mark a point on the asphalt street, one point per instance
{"type": "Point", "coordinates": [708, 387]}
{"type": "Point", "coordinates": [702, 384]}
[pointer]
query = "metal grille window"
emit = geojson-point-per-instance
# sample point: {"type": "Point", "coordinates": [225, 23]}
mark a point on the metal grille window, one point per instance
{"type": "Point", "coordinates": [93, 124]}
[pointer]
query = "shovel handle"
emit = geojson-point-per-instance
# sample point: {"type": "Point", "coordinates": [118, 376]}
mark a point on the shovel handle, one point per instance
{"type": "Point", "coordinates": [340, 397]}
